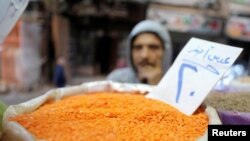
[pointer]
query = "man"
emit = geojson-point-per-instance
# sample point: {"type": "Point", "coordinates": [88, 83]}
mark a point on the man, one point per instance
{"type": "Point", "coordinates": [149, 54]}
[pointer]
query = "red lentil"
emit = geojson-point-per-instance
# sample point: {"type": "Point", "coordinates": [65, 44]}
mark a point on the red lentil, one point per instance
{"type": "Point", "coordinates": [112, 117]}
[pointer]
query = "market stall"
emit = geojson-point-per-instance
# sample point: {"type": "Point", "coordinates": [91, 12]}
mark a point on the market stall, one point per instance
{"type": "Point", "coordinates": [188, 19]}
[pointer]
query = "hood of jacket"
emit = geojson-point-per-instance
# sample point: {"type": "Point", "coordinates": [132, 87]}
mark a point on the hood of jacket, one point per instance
{"type": "Point", "coordinates": [161, 31]}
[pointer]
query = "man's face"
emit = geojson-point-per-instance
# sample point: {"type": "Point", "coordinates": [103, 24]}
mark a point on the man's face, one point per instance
{"type": "Point", "coordinates": [147, 54]}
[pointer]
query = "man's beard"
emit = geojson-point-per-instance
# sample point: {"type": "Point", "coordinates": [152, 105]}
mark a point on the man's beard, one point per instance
{"type": "Point", "coordinates": [144, 80]}
{"type": "Point", "coordinates": [141, 65]}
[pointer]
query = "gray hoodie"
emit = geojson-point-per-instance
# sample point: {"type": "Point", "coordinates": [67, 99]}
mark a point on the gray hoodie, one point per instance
{"type": "Point", "coordinates": [128, 74]}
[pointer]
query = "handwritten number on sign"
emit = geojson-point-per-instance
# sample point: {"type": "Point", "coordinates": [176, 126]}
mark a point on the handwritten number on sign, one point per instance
{"type": "Point", "coordinates": [180, 78]}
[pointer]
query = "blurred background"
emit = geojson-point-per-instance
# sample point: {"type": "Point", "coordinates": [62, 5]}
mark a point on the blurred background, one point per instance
{"type": "Point", "coordinates": [91, 37]}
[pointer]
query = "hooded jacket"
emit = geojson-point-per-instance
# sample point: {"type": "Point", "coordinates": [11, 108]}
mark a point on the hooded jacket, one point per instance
{"type": "Point", "coordinates": [128, 74]}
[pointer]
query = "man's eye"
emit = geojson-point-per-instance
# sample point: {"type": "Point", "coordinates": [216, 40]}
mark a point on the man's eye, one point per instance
{"type": "Point", "coordinates": [137, 47]}
{"type": "Point", "coordinates": [154, 47]}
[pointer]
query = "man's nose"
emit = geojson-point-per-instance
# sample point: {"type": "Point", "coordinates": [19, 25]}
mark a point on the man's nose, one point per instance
{"type": "Point", "coordinates": [145, 52]}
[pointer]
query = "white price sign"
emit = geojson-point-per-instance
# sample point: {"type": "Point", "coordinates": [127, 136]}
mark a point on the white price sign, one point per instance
{"type": "Point", "coordinates": [196, 70]}
{"type": "Point", "coordinates": [10, 11]}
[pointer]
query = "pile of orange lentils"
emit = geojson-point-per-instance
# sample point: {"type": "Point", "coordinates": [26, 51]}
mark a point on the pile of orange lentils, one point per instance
{"type": "Point", "coordinates": [111, 116]}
